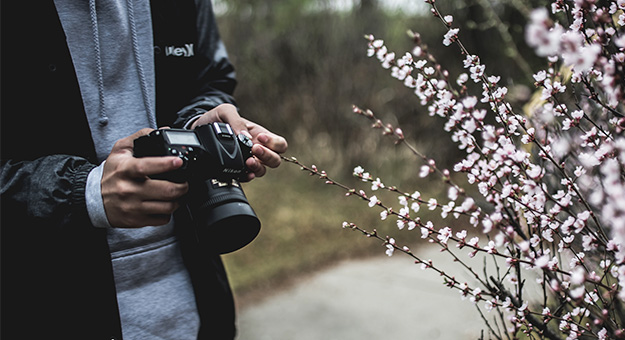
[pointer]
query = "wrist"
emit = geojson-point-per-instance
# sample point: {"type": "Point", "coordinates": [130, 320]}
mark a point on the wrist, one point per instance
{"type": "Point", "coordinates": [93, 198]}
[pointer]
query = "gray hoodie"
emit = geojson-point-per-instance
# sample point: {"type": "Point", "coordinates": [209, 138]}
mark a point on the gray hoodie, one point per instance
{"type": "Point", "coordinates": [111, 46]}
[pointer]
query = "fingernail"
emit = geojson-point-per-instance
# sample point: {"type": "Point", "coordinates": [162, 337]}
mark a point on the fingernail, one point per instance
{"type": "Point", "coordinates": [259, 151]}
{"type": "Point", "coordinates": [263, 138]}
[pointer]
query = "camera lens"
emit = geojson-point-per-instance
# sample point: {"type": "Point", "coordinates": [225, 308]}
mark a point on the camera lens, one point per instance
{"type": "Point", "coordinates": [225, 221]}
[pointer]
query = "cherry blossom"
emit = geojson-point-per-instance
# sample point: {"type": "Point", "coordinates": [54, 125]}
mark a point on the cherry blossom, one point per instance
{"type": "Point", "coordinates": [542, 190]}
{"type": "Point", "coordinates": [450, 36]}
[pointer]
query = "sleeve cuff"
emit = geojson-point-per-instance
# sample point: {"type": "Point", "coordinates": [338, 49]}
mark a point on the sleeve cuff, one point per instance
{"type": "Point", "coordinates": [190, 122]}
{"type": "Point", "coordinates": [93, 198]}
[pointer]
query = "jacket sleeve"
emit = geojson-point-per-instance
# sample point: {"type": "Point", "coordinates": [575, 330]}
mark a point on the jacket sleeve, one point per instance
{"type": "Point", "coordinates": [49, 189]}
{"type": "Point", "coordinates": [216, 78]}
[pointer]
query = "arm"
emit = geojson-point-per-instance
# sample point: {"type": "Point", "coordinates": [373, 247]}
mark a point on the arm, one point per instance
{"type": "Point", "coordinates": [267, 145]}
{"type": "Point", "coordinates": [51, 187]}
{"type": "Point", "coordinates": [215, 102]}
{"type": "Point", "coordinates": [215, 81]}
{"type": "Point", "coordinates": [131, 199]}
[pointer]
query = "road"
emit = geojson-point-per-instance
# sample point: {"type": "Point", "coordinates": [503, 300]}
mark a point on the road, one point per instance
{"type": "Point", "coordinates": [375, 298]}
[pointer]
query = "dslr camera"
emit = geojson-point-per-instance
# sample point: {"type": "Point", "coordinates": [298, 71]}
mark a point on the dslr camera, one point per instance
{"type": "Point", "coordinates": [213, 164]}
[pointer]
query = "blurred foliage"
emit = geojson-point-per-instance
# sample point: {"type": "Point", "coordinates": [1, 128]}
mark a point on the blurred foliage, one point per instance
{"type": "Point", "coordinates": [301, 65]}
{"type": "Point", "coordinates": [300, 72]}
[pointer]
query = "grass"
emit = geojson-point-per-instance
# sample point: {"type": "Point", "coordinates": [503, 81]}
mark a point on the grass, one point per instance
{"type": "Point", "coordinates": [302, 220]}
{"type": "Point", "coordinates": [301, 230]}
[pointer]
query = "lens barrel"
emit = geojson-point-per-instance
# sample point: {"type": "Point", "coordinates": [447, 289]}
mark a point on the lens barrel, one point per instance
{"type": "Point", "coordinates": [225, 221]}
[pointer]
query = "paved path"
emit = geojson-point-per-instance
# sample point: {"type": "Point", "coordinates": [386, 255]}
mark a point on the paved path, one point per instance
{"type": "Point", "coordinates": [377, 298]}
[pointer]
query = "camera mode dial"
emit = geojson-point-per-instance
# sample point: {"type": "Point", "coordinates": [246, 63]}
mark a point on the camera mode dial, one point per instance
{"type": "Point", "coordinates": [246, 145]}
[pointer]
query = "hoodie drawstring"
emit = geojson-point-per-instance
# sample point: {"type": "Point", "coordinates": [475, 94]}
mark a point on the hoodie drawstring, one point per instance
{"type": "Point", "coordinates": [103, 118]}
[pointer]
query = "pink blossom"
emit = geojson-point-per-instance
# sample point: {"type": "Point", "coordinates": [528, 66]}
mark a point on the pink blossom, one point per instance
{"type": "Point", "coordinates": [416, 195]}
{"type": "Point", "coordinates": [540, 76]}
{"type": "Point", "coordinates": [446, 209]}
{"type": "Point", "coordinates": [577, 114]}
{"type": "Point", "coordinates": [547, 234]}
{"type": "Point", "coordinates": [602, 334]}
{"type": "Point", "coordinates": [404, 212]}
{"type": "Point", "coordinates": [490, 248]}
{"type": "Point", "coordinates": [535, 240]}
{"type": "Point", "coordinates": [578, 276]}
{"type": "Point", "coordinates": [477, 71]}
{"type": "Point", "coordinates": [462, 79]}
{"type": "Point", "coordinates": [541, 35]}
{"type": "Point", "coordinates": [589, 242]}
{"type": "Point", "coordinates": [412, 225]}
{"type": "Point", "coordinates": [549, 169]}
{"type": "Point", "coordinates": [401, 224]}
{"type": "Point", "coordinates": [427, 229]}
{"type": "Point", "coordinates": [450, 36]}
{"type": "Point", "coordinates": [432, 204]}
{"type": "Point", "coordinates": [452, 193]}
{"type": "Point", "coordinates": [390, 248]}
{"type": "Point", "coordinates": [576, 54]}
{"type": "Point", "coordinates": [588, 160]}
{"type": "Point", "coordinates": [542, 261]}
{"type": "Point", "coordinates": [474, 241]}
{"type": "Point", "coordinates": [468, 204]}
{"type": "Point", "coordinates": [534, 171]}
{"type": "Point", "coordinates": [444, 235]}
{"type": "Point", "coordinates": [462, 234]}
{"type": "Point", "coordinates": [387, 59]}
{"type": "Point", "coordinates": [373, 201]}
{"type": "Point", "coordinates": [377, 184]}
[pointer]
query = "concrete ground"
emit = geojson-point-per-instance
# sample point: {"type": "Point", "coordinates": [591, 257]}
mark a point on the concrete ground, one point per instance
{"type": "Point", "coordinates": [376, 298]}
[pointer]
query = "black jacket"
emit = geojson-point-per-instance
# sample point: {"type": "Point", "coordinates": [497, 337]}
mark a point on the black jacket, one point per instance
{"type": "Point", "coordinates": [57, 279]}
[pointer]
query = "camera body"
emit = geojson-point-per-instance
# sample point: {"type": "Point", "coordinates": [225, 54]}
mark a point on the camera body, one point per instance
{"type": "Point", "coordinates": [213, 164]}
{"type": "Point", "coordinates": [208, 151]}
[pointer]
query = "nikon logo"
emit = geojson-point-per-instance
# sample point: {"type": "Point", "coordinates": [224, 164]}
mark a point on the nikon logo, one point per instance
{"type": "Point", "coordinates": [176, 51]}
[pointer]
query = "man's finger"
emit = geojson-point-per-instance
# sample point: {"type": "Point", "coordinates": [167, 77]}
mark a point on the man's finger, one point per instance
{"type": "Point", "coordinates": [159, 207]}
{"type": "Point", "coordinates": [266, 156]}
{"type": "Point", "coordinates": [272, 141]}
{"type": "Point", "coordinates": [256, 168]}
{"type": "Point", "coordinates": [163, 190]}
{"type": "Point", "coordinates": [127, 143]}
{"type": "Point", "coordinates": [148, 166]}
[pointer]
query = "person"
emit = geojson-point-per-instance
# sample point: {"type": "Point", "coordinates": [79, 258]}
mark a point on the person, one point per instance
{"type": "Point", "coordinates": [92, 247]}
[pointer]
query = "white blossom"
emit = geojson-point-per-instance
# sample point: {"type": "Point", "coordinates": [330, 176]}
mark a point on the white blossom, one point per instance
{"type": "Point", "coordinates": [450, 36]}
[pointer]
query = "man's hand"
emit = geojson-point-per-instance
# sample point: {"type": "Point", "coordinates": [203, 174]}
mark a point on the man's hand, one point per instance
{"type": "Point", "coordinates": [267, 145]}
{"type": "Point", "coordinates": [131, 199]}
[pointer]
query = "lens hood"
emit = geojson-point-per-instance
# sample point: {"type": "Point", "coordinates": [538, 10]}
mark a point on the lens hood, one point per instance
{"type": "Point", "coordinates": [225, 222]}
{"type": "Point", "coordinates": [231, 226]}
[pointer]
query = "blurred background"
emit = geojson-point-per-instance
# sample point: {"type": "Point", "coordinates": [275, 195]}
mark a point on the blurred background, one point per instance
{"type": "Point", "coordinates": [301, 64]}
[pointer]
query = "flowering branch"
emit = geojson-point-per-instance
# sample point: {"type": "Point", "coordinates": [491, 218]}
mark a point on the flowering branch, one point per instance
{"type": "Point", "coordinates": [551, 176]}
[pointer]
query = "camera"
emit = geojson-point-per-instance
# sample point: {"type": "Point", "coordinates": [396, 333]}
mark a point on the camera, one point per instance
{"type": "Point", "coordinates": [213, 164]}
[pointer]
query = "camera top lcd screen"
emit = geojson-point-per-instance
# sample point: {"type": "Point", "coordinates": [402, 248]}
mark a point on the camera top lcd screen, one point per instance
{"type": "Point", "coordinates": [182, 138]}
